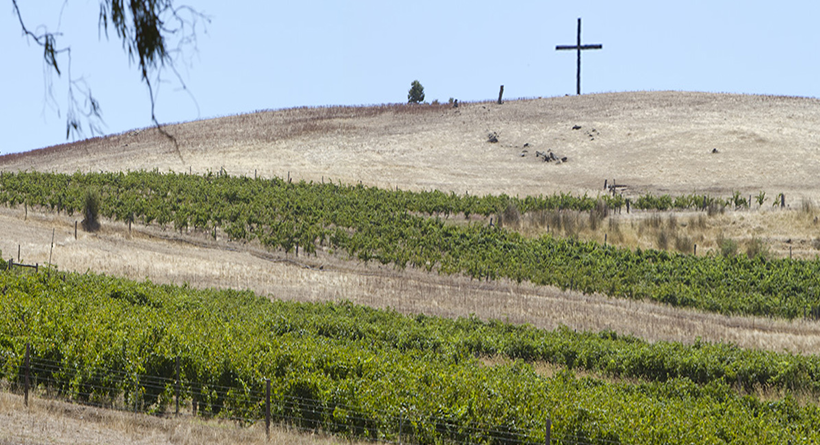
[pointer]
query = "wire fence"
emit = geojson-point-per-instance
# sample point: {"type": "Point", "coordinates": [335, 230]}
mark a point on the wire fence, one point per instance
{"type": "Point", "coordinates": [246, 405]}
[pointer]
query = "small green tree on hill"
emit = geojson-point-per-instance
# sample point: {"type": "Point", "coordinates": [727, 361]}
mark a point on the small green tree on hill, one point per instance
{"type": "Point", "coordinates": [416, 93]}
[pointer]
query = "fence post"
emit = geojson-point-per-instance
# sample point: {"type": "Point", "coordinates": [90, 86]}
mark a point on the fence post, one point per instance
{"type": "Point", "coordinates": [18, 253]}
{"type": "Point", "coordinates": [695, 250]}
{"type": "Point", "coordinates": [500, 93]}
{"type": "Point", "coordinates": [28, 366]}
{"type": "Point", "coordinates": [267, 408]}
{"type": "Point", "coordinates": [36, 267]}
{"type": "Point", "coordinates": [136, 392]}
{"type": "Point", "coordinates": [548, 432]}
{"type": "Point", "coordinates": [52, 248]}
{"type": "Point", "coordinates": [75, 229]}
{"type": "Point", "coordinates": [176, 387]}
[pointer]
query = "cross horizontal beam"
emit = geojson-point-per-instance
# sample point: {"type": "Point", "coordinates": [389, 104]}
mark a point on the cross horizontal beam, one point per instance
{"type": "Point", "coordinates": [562, 47]}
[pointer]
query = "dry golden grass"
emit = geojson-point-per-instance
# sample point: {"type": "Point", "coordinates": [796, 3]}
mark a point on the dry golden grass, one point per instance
{"type": "Point", "coordinates": [658, 142]}
{"type": "Point", "coordinates": [782, 233]}
{"type": "Point", "coordinates": [47, 421]}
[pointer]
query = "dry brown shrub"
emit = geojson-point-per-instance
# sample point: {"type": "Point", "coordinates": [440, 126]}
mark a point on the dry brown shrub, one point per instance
{"type": "Point", "coordinates": [683, 243]}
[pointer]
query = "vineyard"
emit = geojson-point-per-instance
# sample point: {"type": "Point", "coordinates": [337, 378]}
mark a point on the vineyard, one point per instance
{"type": "Point", "coordinates": [406, 229]}
{"type": "Point", "coordinates": [364, 368]}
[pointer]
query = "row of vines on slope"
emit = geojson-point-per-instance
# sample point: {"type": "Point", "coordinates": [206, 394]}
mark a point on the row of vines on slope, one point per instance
{"type": "Point", "coordinates": [364, 368]}
{"type": "Point", "coordinates": [371, 224]}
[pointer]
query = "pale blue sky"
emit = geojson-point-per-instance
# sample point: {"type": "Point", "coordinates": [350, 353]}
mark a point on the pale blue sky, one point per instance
{"type": "Point", "coordinates": [268, 55]}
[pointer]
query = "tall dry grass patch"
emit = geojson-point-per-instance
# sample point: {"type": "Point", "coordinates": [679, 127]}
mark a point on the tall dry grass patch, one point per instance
{"type": "Point", "coordinates": [56, 422]}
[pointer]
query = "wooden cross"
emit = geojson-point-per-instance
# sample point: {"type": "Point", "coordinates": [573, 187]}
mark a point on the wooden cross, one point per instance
{"type": "Point", "coordinates": [578, 47]}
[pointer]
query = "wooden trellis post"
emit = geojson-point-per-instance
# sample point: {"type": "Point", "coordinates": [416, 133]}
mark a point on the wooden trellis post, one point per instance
{"type": "Point", "coordinates": [28, 366]}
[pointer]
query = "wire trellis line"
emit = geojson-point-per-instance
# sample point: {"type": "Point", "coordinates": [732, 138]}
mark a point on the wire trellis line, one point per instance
{"type": "Point", "coordinates": [250, 403]}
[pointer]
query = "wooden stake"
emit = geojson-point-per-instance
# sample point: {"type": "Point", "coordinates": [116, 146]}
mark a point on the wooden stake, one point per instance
{"type": "Point", "coordinates": [52, 247]}
{"type": "Point", "coordinates": [500, 93]}
{"type": "Point", "coordinates": [548, 432]}
{"type": "Point", "coordinates": [176, 387]}
{"type": "Point", "coordinates": [28, 363]}
{"type": "Point", "coordinates": [193, 401]}
{"type": "Point", "coordinates": [267, 408]}
{"type": "Point", "coordinates": [75, 229]}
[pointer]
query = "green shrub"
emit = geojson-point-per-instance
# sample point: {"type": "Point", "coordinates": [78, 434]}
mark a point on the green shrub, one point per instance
{"type": "Point", "coordinates": [416, 93]}
{"type": "Point", "coordinates": [91, 210]}
{"type": "Point", "coordinates": [727, 246]}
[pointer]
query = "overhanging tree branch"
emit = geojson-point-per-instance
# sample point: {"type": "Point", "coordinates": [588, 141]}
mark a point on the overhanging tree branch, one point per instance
{"type": "Point", "coordinates": [145, 28]}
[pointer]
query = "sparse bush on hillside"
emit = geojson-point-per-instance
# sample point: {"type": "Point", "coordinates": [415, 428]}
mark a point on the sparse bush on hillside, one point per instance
{"type": "Point", "coordinates": [684, 243]}
{"type": "Point", "coordinates": [756, 248]}
{"type": "Point", "coordinates": [807, 206]}
{"type": "Point", "coordinates": [416, 93]}
{"type": "Point", "coordinates": [662, 239]}
{"type": "Point", "coordinates": [510, 217]}
{"type": "Point", "coordinates": [91, 210]}
{"type": "Point", "coordinates": [615, 234]}
{"type": "Point", "coordinates": [715, 208]}
{"type": "Point", "coordinates": [727, 246]}
{"type": "Point", "coordinates": [597, 214]}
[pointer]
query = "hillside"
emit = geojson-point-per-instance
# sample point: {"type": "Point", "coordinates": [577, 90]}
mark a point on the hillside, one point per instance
{"type": "Point", "coordinates": [659, 142]}
{"type": "Point", "coordinates": [654, 142]}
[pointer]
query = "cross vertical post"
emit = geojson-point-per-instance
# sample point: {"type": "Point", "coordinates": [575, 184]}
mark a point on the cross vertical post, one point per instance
{"type": "Point", "coordinates": [578, 47]}
{"type": "Point", "coordinates": [578, 71]}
